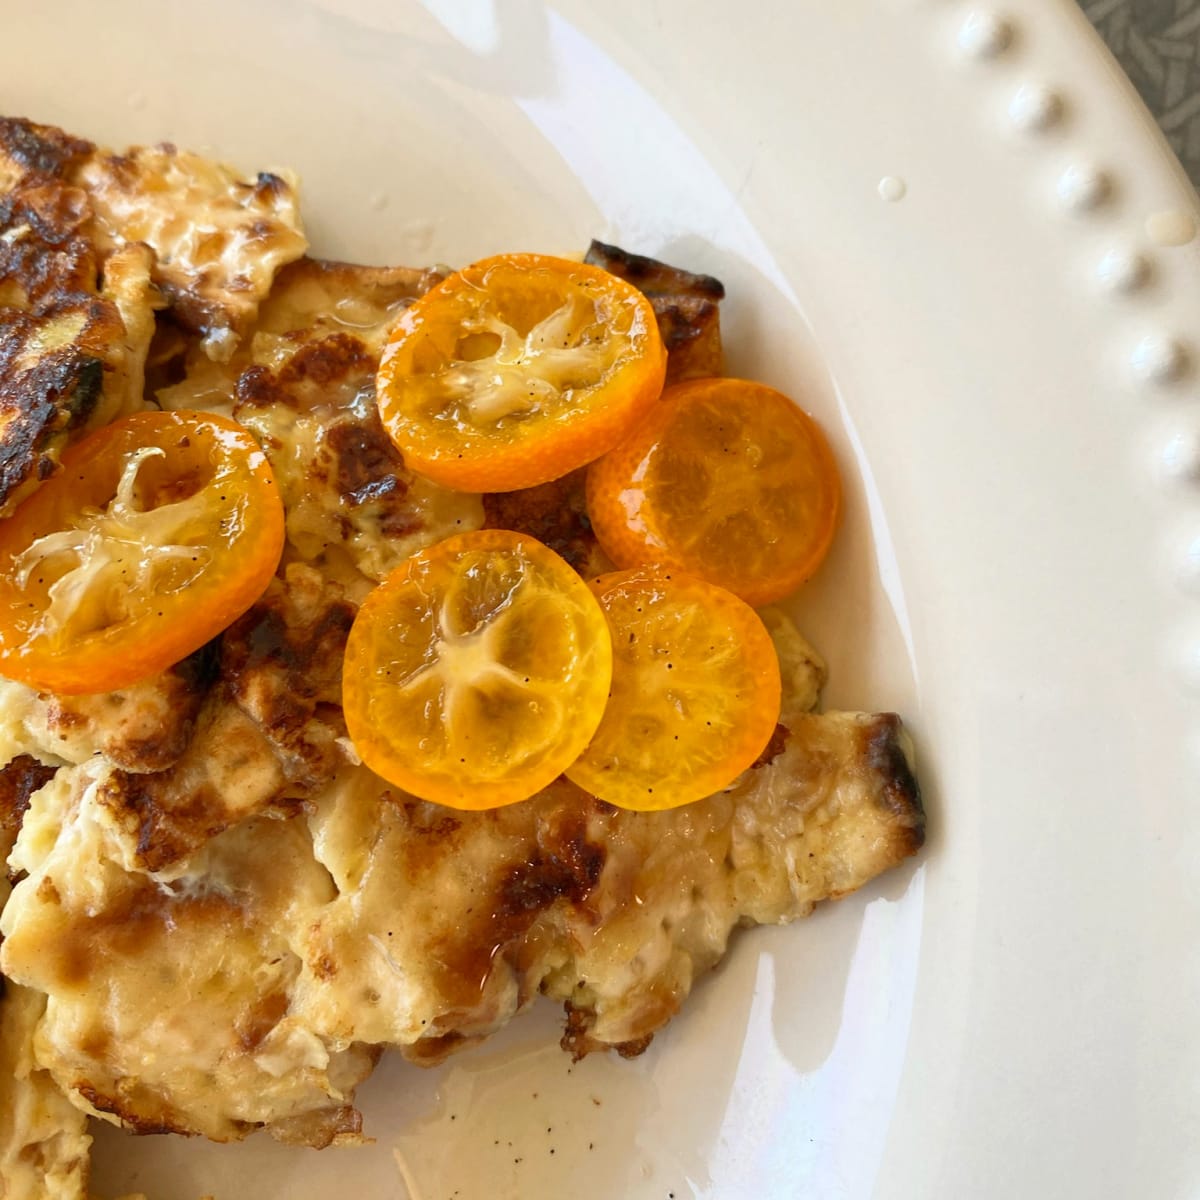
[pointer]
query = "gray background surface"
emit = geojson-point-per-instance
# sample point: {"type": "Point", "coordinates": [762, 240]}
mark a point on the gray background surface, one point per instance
{"type": "Point", "coordinates": [1158, 44]}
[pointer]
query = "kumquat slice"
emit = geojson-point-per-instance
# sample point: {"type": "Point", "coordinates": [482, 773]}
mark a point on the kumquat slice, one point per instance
{"type": "Point", "coordinates": [477, 671]}
{"type": "Point", "coordinates": [158, 531]}
{"type": "Point", "coordinates": [727, 480]}
{"type": "Point", "coordinates": [695, 691]}
{"type": "Point", "coordinates": [517, 370]}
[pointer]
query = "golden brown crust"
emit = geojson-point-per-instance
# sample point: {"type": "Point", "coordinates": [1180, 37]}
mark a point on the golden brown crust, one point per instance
{"type": "Point", "coordinates": [887, 751]}
{"type": "Point", "coordinates": [338, 362]}
{"type": "Point", "coordinates": [141, 728]}
{"type": "Point", "coordinates": [284, 658]}
{"type": "Point", "coordinates": [556, 514]}
{"type": "Point", "coordinates": [836, 806]}
{"type": "Point", "coordinates": [19, 779]}
{"type": "Point", "coordinates": [561, 867]}
{"type": "Point", "coordinates": [652, 277]}
{"type": "Point", "coordinates": [47, 254]}
{"type": "Point", "coordinates": [686, 305]}
{"type": "Point", "coordinates": [125, 1110]}
{"type": "Point", "coordinates": [306, 389]}
{"type": "Point", "coordinates": [218, 237]}
{"type": "Point", "coordinates": [352, 479]}
{"type": "Point", "coordinates": [29, 148]}
{"type": "Point", "coordinates": [265, 735]}
{"type": "Point", "coordinates": [314, 292]}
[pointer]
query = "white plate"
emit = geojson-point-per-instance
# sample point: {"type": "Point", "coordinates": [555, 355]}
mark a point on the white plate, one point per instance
{"type": "Point", "coordinates": [1014, 1016]}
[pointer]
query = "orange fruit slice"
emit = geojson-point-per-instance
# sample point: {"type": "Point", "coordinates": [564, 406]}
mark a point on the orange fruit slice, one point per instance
{"type": "Point", "coordinates": [695, 691]}
{"type": "Point", "coordinates": [157, 532]}
{"type": "Point", "coordinates": [727, 480]}
{"type": "Point", "coordinates": [477, 671]}
{"type": "Point", "coordinates": [517, 370]}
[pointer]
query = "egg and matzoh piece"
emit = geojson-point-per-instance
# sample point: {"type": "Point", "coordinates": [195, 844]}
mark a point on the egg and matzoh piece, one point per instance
{"type": "Point", "coordinates": [219, 915]}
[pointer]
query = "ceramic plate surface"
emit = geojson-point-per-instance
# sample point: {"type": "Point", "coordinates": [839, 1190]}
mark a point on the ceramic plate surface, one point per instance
{"type": "Point", "coordinates": [953, 232]}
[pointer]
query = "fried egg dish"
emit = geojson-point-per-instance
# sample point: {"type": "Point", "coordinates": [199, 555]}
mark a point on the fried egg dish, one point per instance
{"type": "Point", "coordinates": [217, 915]}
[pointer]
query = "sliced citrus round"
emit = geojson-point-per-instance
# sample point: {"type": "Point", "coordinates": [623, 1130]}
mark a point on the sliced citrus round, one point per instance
{"type": "Point", "coordinates": [477, 671]}
{"type": "Point", "coordinates": [157, 532]}
{"type": "Point", "coordinates": [725, 479]}
{"type": "Point", "coordinates": [695, 691]}
{"type": "Point", "coordinates": [517, 370]}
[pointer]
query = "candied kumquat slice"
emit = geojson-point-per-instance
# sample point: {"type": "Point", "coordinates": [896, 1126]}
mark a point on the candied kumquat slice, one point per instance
{"type": "Point", "coordinates": [477, 671]}
{"type": "Point", "coordinates": [727, 480]}
{"type": "Point", "coordinates": [695, 691]}
{"type": "Point", "coordinates": [518, 369]}
{"type": "Point", "coordinates": [157, 532]}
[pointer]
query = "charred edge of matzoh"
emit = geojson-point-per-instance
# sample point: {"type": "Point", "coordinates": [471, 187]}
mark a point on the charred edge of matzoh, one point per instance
{"type": "Point", "coordinates": [129, 1118]}
{"type": "Point", "coordinates": [59, 393]}
{"type": "Point", "coordinates": [651, 276]}
{"type": "Point", "coordinates": [23, 776]}
{"type": "Point", "coordinates": [41, 148]}
{"type": "Point", "coordinates": [578, 1042]}
{"type": "Point", "coordinates": [555, 513]}
{"type": "Point", "coordinates": [683, 320]}
{"type": "Point", "coordinates": [888, 753]}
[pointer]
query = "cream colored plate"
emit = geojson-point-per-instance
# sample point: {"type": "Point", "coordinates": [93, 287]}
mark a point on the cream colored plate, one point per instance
{"type": "Point", "coordinates": [942, 225]}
